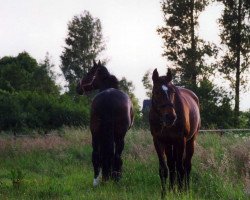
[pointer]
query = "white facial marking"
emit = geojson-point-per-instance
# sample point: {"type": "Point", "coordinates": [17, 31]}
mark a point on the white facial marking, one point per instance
{"type": "Point", "coordinates": [165, 88]}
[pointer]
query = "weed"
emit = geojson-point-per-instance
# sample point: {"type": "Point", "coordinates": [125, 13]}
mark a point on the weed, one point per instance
{"type": "Point", "coordinates": [17, 176]}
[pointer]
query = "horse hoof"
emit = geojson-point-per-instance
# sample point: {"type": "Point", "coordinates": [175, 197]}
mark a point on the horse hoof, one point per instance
{"type": "Point", "coordinates": [116, 176]}
{"type": "Point", "coordinates": [96, 181]}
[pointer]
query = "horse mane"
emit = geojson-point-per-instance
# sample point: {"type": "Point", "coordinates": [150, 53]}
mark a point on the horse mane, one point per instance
{"type": "Point", "coordinates": [109, 80]}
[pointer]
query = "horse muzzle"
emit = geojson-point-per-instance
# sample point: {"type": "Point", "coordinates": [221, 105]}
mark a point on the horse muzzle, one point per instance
{"type": "Point", "coordinates": [168, 120]}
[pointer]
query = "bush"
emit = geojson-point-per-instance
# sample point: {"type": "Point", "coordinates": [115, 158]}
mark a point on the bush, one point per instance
{"type": "Point", "coordinates": [215, 107]}
{"type": "Point", "coordinates": [32, 110]}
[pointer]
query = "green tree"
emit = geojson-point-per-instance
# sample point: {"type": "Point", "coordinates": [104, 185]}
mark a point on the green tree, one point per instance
{"type": "Point", "coordinates": [128, 87]}
{"type": "Point", "coordinates": [49, 67]}
{"type": "Point", "coordinates": [215, 105]}
{"type": "Point", "coordinates": [83, 44]}
{"type": "Point", "coordinates": [23, 73]}
{"type": "Point", "coordinates": [182, 46]}
{"type": "Point", "coordinates": [16, 72]}
{"type": "Point", "coordinates": [235, 37]}
{"type": "Point", "coordinates": [45, 74]}
{"type": "Point", "coordinates": [147, 83]}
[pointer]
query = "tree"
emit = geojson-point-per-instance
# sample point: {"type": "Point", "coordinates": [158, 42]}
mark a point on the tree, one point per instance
{"type": "Point", "coordinates": [16, 72]}
{"type": "Point", "coordinates": [128, 87]}
{"type": "Point", "coordinates": [235, 37]}
{"type": "Point", "coordinates": [215, 105]}
{"type": "Point", "coordinates": [147, 83]}
{"type": "Point", "coordinates": [45, 74]}
{"type": "Point", "coordinates": [49, 67]}
{"type": "Point", "coordinates": [182, 46]}
{"type": "Point", "coordinates": [23, 73]}
{"type": "Point", "coordinates": [83, 44]}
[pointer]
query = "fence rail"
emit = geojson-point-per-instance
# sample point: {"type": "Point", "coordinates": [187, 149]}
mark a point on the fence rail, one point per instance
{"type": "Point", "coordinates": [224, 130]}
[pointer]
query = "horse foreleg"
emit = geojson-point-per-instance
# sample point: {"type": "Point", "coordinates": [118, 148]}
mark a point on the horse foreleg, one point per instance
{"type": "Point", "coordinates": [163, 171]}
{"type": "Point", "coordinates": [171, 165]}
{"type": "Point", "coordinates": [180, 154]}
{"type": "Point", "coordinates": [187, 163]}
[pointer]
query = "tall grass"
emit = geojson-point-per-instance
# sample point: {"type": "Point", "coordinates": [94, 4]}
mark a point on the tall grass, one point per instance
{"type": "Point", "coordinates": [59, 167]}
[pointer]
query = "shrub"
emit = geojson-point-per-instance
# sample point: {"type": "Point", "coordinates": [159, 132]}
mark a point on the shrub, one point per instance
{"type": "Point", "coordinates": [32, 110]}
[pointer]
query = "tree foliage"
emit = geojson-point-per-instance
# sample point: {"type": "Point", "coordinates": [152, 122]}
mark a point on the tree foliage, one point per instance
{"type": "Point", "coordinates": [26, 110]}
{"type": "Point", "coordinates": [83, 44]}
{"type": "Point", "coordinates": [23, 73]}
{"type": "Point", "coordinates": [182, 46]}
{"type": "Point", "coordinates": [128, 87]}
{"type": "Point", "coordinates": [30, 99]}
{"type": "Point", "coordinates": [215, 105]}
{"type": "Point", "coordinates": [147, 83]}
{"type": "Point", "coordinates": [235, 36]}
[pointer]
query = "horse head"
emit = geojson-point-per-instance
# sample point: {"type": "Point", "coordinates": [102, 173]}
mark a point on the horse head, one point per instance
{"type": "Point", "coordinates": [164, 98]}
{"type": "Point", "coordinates": [98, 77]}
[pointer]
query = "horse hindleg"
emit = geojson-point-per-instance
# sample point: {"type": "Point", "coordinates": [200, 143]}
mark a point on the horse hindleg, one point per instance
{"type": "Point", "coordinates": [163, 171]}
{"type": "Point", "coordinates": [171, 165]}
{"type": "Point", "coordinates": [117, 165]}
{"type": "Point", "coordinates": [96, 160]}
{"type": "Point", "coordinates": [107, 148]}
{"type": "Point", "coordinates": [180, 152]}
{"type": "Point", "coordinates": [187, 163]}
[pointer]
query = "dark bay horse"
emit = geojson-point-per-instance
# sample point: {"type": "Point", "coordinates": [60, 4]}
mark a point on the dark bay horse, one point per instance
{"type": "Point", "coordinates": [111, 117]}
{"type": "Point", "coordinates": [174, 123]}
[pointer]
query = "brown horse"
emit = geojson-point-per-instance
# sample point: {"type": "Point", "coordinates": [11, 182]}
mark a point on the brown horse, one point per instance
{"type": "Point", "coordinates": [111, 117]}
{"type": "Point", "coordinates": [174, 123]}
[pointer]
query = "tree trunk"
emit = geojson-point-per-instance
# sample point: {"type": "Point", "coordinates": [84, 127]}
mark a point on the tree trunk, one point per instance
{"type": "Point", "coordinates": [238, 51]}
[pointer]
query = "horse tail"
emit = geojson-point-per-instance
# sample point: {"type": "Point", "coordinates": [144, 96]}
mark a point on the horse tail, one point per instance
{"type": "Point", "coordinates": [107, 147]}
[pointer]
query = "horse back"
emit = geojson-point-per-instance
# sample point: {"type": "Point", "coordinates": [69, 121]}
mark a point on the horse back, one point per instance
{"type": "Point", "coordinates": [112, 106]}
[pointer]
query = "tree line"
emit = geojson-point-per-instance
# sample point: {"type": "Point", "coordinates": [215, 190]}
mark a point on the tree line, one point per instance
{"type": "Point", "coordinates": [31, 99]}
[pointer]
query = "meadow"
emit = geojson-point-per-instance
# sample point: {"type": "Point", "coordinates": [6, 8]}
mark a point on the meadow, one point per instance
{"type": "Point", "coordinates": [59, 166]}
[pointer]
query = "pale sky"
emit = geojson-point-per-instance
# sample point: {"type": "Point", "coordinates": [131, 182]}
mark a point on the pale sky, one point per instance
{"type": "Point", "coordinates": [129, 29]}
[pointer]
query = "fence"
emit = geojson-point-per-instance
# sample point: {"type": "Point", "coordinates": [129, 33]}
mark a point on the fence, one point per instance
{"type": "Point", "coordinates": [223, 131]}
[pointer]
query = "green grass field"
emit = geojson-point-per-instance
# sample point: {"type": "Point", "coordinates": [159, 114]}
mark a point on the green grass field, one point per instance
{"type": "Point", "coordinates": [59, 167]}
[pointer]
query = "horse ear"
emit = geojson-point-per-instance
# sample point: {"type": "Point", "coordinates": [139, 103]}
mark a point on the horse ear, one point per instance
{"type": "Point", "coordinates": [169, 75]}
{"type": "Point", "coordinates": [99, 63]}
{"type": "Point", "coordinates": [94, 62]}
{"type": "Point", "coordinates": [155, 75]}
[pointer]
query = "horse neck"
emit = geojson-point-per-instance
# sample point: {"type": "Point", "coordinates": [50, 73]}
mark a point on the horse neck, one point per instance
{"type": "Point", "coordinates": [109, 82]}
{"type": "Point", "coordinates": [180, 106]}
